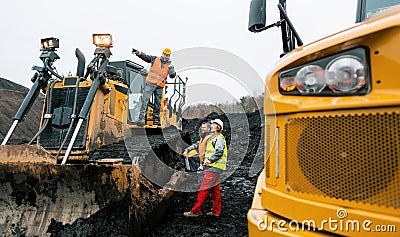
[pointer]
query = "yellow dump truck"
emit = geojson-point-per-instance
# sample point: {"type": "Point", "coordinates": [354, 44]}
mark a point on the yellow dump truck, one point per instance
{"type": "Point", "coordinates": [332, 129]}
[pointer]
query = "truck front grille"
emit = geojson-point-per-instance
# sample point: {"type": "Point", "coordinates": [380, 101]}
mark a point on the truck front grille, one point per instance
{"type": "Point", "coordinates": [352, 156]}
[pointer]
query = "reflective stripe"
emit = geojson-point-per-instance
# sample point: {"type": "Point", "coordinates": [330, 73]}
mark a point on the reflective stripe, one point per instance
{"type": "Point", "coordinates": [156, 78]}
{"type": "Point", "coordinates": [221, 161]}
{"type": "Point", "coordinates": [157, 74]}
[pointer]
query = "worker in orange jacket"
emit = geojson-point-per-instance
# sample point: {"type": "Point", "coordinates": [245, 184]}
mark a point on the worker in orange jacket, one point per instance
{"type": "Point", "coordinates": [156, 79]}
{"type": "Point", "coordinates": [200, 146]}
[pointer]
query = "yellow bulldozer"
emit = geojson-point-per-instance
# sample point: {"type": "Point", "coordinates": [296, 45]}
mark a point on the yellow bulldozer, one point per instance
{"type": "Point", "coordinates": [78, 164]}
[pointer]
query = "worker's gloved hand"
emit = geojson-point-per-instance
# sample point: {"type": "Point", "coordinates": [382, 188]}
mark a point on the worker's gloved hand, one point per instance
{"type": "Point", "coordinates": [170, 66]}
{"type": "Point", "coordinates": [185, 153]}
{"type": "Point", "coordinates": [135, 51]}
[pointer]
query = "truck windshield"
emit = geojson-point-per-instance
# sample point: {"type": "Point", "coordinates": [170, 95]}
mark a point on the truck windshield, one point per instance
{"type": "Point", "coordinates": [373, 6]}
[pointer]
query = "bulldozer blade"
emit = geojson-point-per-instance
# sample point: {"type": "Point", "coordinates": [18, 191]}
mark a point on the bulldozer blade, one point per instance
{"type": "Point", "coordinates": [25, 153]}
{"type": "Point", "coordinates": [39, 196]}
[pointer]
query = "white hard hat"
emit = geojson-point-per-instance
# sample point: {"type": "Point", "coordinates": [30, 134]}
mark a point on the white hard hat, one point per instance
{"type": "Point", "coordinates": [219, 122]}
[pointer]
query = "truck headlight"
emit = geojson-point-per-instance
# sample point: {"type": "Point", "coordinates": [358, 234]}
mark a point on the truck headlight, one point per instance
{"type": "Point", "coordinates": [345, 73]}
{"type": "Point", "coordinates": [310, 79]}
{"type": "Point", "coordinates": [102, 40]}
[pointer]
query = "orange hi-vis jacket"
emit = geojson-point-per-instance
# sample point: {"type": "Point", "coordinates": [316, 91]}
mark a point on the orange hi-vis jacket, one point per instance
{"type": "Point", "coordinates": [158, 73]}
{"type": "Point", "coordinates": [202, 146]}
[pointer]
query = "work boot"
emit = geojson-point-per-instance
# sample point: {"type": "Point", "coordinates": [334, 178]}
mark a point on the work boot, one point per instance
{"type": "Point", "coordinates": [212, 214]}
{"type": "Point", "coordinates": [190, 214]}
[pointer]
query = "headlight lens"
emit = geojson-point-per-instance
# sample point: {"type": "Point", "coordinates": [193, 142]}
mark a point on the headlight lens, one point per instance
{"type": "Point", "coordinates": [310, 79]}
{"type": "Point", "coordinates": [346, 73]}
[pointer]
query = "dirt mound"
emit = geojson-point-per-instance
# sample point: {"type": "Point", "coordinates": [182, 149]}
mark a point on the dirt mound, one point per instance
{"type": "Point", "coordinates": [11, 97]}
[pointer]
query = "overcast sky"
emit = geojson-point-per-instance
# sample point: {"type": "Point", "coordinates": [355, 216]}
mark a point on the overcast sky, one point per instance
{"type": "Point", "coordinates": [152, 25]}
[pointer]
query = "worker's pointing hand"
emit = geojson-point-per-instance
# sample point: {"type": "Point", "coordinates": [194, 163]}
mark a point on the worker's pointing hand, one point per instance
{"type": "Point", "coordinates": [135, 51]}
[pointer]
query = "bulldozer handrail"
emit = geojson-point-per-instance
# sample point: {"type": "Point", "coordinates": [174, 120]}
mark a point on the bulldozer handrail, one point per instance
{"type": "Point", "coordinates": [177, 81]}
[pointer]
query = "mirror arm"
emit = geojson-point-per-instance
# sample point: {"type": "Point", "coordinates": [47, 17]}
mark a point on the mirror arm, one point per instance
{"type": "Point", "coordinates": [276, 24]}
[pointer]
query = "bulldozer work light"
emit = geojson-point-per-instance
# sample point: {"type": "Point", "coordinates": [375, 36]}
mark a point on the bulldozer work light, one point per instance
{"type": "Point", "coordinates": [49, 43]}
{"type": "Point", "coordinates": [102, 40]}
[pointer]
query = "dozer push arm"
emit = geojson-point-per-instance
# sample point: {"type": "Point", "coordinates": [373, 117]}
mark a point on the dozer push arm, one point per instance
{"type": "Point", "coordinates": [25, 106]}
{"type": "Point", "coordinates": [40, 80]}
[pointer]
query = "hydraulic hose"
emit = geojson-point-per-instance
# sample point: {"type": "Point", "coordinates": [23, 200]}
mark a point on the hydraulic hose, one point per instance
{"type": "Point", "coordinates": [50, 69]}
{"type": "Point", "coordinates": [73, 116]}
{"type": "Point", "coordinates": [79, 72]}
{"type": "Point", "coordinates": [49, 94]}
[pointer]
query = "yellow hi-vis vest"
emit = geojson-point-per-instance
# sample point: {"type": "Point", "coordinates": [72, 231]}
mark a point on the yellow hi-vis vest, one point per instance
{"type": "Point", "coordinates": [210, 151]}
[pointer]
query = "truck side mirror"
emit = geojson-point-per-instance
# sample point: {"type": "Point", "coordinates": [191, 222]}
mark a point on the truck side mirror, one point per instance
{"type": "Point", "coordinates": [257, 15]}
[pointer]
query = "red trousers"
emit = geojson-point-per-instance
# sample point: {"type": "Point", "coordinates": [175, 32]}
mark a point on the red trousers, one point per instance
{"type": "Point", "coordinates": [210, 184]}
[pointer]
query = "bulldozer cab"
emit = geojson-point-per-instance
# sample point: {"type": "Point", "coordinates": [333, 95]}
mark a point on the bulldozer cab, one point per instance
{"type": "Point", "coordinates": [130, 73]}
{"type": "Point", "coordinates": [172, 101]}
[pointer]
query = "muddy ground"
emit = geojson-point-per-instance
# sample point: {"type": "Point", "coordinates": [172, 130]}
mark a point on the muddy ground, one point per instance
{"type": "Point", "coordinates": [237, 190]}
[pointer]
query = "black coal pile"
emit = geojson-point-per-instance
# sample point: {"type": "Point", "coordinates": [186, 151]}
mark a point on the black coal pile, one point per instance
{"type": "Point", "coordinates": [237, 190]}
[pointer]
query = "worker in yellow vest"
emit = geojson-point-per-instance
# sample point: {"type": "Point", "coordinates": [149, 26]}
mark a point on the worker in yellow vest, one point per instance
{"type": "Point", "coordinates": [199, 147]}
{"type": "Point", "coordinates": [160, 69]}
{"type": "Point", "coordinates": [215, 160]}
